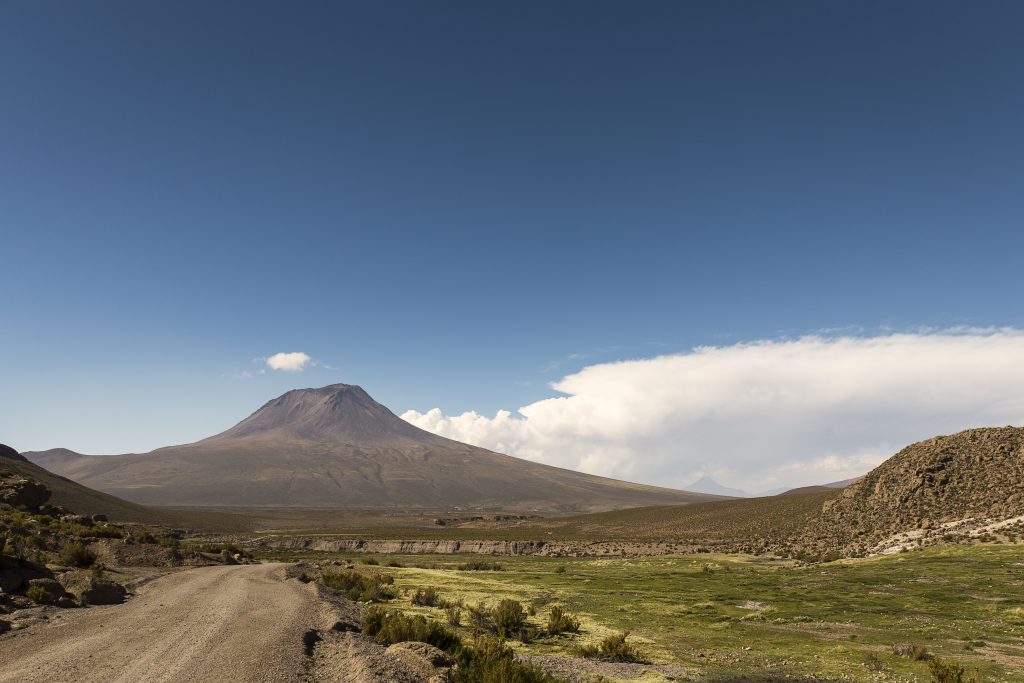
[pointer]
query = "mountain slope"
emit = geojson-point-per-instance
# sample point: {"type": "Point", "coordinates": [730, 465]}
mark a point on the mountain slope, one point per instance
{"type": "Point", "coordinates": [83, 500]}
{"type": "Point", "coordinates": [337, 447]}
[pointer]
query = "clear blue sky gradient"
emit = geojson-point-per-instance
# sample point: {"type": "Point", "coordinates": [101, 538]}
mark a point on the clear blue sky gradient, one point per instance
{"type": "Point", "coordinates": [455, 203]}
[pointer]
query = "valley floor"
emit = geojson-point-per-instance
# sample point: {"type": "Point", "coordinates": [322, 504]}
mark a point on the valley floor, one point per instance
{"type": "Point", "coordinates": [712, 618]}
{"type": "Point", "coordinates": [732, 618]}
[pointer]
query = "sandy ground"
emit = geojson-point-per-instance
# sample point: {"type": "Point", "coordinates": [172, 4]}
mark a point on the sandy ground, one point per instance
{"type": "Point", "coordinates": [223, 623]}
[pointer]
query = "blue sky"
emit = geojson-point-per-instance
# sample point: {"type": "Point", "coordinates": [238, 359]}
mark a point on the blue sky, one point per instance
{"type": "Point", "coordinates": [456, 204]}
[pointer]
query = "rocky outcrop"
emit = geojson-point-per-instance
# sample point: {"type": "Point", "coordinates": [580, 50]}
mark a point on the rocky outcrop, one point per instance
{"type": "Point", "coordinates": [22, 493]}
{"type": "Point", "coordinates": [91, 589]}
{"type": "Point", "coordinates": [544, 548]}
{"type": "Point", "coordinates": [16, 575]}
{"type": "Point", "coordinates": [49, 591]}
{"type": "Point", "coordinates": [974, 474]}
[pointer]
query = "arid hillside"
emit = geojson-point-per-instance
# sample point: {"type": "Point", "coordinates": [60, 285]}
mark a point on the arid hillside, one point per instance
{"type": "Point", "coordinates": [976, 475]}
{"type": "Point", "coordinates": [74, 496]}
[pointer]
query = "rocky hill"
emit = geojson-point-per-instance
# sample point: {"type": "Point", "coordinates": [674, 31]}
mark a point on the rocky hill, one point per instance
{"type": "Point", "coordinates": [975, 476]}
{"type": "Point", "coordinates": [53, 557]}
{"type": "Point", "coordinates": [335, 447]}
{"type": "Point", "coordinates": [63, 492]}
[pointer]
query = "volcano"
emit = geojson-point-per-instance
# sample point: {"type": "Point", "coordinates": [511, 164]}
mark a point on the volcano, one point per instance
{"type": "Point", "coordinates": [336, 447]}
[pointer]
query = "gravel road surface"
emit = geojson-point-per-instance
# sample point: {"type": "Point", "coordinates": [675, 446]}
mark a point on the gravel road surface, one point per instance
{"type": "Point", "coordinates": [224, 623]}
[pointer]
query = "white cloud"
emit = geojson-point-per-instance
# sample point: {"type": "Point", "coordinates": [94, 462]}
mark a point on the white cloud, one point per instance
{"type": "Point", "coordinates": [763, 414]}
{"type": "Point", "coordinates": [295, 361]}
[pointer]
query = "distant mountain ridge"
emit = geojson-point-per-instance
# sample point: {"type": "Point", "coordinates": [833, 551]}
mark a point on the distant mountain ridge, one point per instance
{"type": "Point", "coordinates": [74, 496]}
{"type": "Point", "coordinates": [708, 485]}
{"type": "Point", "coordinates": [335, 446]}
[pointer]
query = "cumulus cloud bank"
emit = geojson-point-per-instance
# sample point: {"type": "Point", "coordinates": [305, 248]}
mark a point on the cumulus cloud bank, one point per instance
{"type": "Point", "coordinates": [295, 361]}
{"type": "Point", "coordinates": [764, 414]}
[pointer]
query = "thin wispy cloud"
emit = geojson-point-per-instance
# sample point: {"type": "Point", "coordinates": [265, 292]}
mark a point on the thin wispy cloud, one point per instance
{"type": "Point", "coordinates": [762, 414]}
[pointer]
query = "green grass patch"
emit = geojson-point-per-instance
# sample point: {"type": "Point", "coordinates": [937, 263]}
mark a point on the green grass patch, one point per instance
{"type": "Point", "coordinates": [751, 615]}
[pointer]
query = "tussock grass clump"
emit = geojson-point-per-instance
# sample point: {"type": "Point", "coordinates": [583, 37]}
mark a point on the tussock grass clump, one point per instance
{"type": "Point", "coordinates": [390, 627]}
{"type": "Point", "coordinates": [488, 660]}
{"type": "Point", "coordinates": [491, 661]}
{"type": "Point", "coordinates": [479, 566]}
{"type": "Point", "coordinates": [426, 597]}
{"type": "Point", "coordinates": [77, 555]}
{"type": "Point", "coordinates": [950, 671]}
{"type": "Point", "coordinates": [507, 620]}
{"type": "Point", "coordinates": [613, 648]}
{"type": "Point", "coordinates": [560, 622]}
{"type": "Point", "coordinates": [360, 587]}
{"type": "Point", "coordinates": [39, 595]}
{"type": "Point", "coordinates": [143, 536]}
{"type": "Point", "coordinates": [82, 531]}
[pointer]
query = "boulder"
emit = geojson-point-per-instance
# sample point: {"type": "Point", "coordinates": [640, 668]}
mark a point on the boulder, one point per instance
{"type": "Point", "coordinates": [55, 591]}
{"type": "Point", "coordinates": [103, 592]}
{"type": "Point", "coordinates": [92, 589]}
{"type": "Point", "coordinates": [19, 575]}
{"type": "Point", "coordinates": [22, 493]}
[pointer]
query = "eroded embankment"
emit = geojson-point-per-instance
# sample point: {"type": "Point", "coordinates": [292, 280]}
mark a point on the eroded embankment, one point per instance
{"type": "Point", "coordinates": [451, 547]}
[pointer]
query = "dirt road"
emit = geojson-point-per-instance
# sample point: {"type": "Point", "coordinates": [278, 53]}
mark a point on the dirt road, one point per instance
{"type": "Point", "coordinates": [234, 623]}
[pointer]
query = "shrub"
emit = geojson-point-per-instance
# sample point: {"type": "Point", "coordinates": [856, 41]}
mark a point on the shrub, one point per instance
{"type": "Point", "coordinates": [426, 597]}
{"type": "Point", "coordinates": [480, 617]}
{"type": "Point", "coordinates": [143, 536]}
{"type": "Point", "coordinates": [949, 671]}
{"type": "Point", "coordinates": [453, 615]}
{"type": "Point", "coordinates": [371, 561]}
{"type": "Point", "coordinates": [77, 555]}
{"type": "Point", "coordinates": [39, 595]}
{"type": "Point", "coordinates": [169, 542]}
{"type": "Point", "coordinates": [479, 566]}
{"type": "Point", "coordinates": [613, 648]}
{"type": "Point", "coordinates": [509, 618]}
{"type": "Point", "coordinates": [390, 627]}
{"type": "Point", "coordinates": [487, 661]}
{"type": "Point", "coordinates": [560, 622]}
{"type": "Point", "coordinates": [560, 569]}
{"type": "Point", "coordinates": [360, 587]}
{"type": "Point", "coordinates": [491, 661]}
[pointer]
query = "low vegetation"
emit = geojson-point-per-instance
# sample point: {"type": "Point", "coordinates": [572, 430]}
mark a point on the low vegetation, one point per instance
{"type": "Point", "coordinates": [560, 622]}
{"type": "Point", "coordinates": [948, 671]}
{"type": "Point", "coordinates": [612, 648]}
{"type": "Point", "coordinates": [426, 597]}
{"type": "Point", "coordinates": [359, 586]}
{"type": "Point", "coordinates": [487, 660]}
{"type": "Point", "coordinates": [878, 619]}
{"type": "Point", "coordinates": [77, 555]}
{"type": "Point", "coordinates": [479, 566]}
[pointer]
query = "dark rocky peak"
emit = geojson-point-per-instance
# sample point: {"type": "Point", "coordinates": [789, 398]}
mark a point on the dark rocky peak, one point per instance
{"type": "Point", "coordinates": [342, 413]}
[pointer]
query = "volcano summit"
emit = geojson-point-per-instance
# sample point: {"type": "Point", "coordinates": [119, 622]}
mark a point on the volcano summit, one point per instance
{"type": "Point", "coordinates": [337, 447]}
